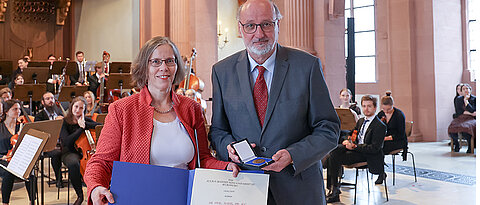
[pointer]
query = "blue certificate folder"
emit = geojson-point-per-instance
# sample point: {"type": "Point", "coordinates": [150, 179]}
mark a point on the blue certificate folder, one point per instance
{"type": "Point", "coordinates": [134, 183]}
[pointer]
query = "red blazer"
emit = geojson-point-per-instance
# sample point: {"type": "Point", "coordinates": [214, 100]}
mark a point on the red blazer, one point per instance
{"type": "Point", "coordinates": [127, 135]}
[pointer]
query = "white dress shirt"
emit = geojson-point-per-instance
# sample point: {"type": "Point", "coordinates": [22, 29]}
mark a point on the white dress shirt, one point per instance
{"type": "Point", "coordinates": [269, 66]}
{"type": "Point", "coordinates": [361, 136]}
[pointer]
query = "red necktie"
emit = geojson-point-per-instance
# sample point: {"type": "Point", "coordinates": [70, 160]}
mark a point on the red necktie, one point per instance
{"type": "Point", "coordinates": [260, 95]}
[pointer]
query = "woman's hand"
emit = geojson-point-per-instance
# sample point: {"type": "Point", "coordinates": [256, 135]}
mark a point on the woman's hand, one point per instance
{"type": "Point", "coordinates": [101, 195]}
{"type": "Point", "coordinates": [81, 121]}
{"type": "Point", "coordinates": [235, 169]}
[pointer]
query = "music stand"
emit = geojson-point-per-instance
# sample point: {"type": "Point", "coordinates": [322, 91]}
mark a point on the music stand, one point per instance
{"type": "Point", "coordinates": [53, 128]}
{"type": "Point", "coordinates": [119, 80]}
{"type": "Point", "coordinates": [39, 64]}
{"type": "Point", "coordinates": [71, 68]}
{"type": "Point", "coordinates": [90, 66]}
{"type": "Point", "coordinates": [57, 67]}
{"type": "Point", "coordinates": [70, 92]}
{"type": "Point", "coordinates": [30, 92]}
{"type": "Point", "coordinates": [347, 119]}
{"type": "Point", "coordinates": [6, 68]}
{"type": "Point", "coordinates": [120, 67]}
{"type": "Point", "coordinates": [3, 86]}
{"type": "Point", "coordinates": [36, 74]}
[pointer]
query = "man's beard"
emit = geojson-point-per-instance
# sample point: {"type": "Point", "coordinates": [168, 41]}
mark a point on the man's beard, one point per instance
{"type": "Point", "coordinates": [50, 108]}
{"type": "Point", "coordinates": [260, 50]}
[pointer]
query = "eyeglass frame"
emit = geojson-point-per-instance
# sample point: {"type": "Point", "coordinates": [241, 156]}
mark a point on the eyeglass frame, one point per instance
{"type": "Point", "coordinates": [163, 61]}
{"type": "Point", "coordinates": [257, 25]}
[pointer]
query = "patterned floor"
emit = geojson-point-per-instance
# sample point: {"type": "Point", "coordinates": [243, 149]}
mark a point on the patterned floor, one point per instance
{"type": "Point", "coordinates": [433, 174]}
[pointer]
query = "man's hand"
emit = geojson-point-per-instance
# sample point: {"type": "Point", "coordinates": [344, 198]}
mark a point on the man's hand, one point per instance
{"type": "Point", "coordinates": [345, 142]}
{"type": "Point", "coordinates": [235, 169]}
{"type": "Point", "coordinates": [101, 195]}
{"type": "Point", "coordinates": [282, 159]}
{"type": "Point", "coordinates": [78, 84]}
{"type": "Point", "coordinates": [233, 155]}
{"type": "Point", "coordinates": [350, 146]}
{"type": "Point", "coordinates": [388, 138]}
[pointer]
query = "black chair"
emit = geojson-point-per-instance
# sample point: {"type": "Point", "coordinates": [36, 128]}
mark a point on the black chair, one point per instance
{"type": "Point", "coordinates": [363, 165]}
{"type": "Point", "coordinates": [394, 153]}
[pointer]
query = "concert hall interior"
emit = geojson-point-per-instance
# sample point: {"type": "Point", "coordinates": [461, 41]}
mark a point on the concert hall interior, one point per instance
{"type": "Point", "coordinates": [412, 57]}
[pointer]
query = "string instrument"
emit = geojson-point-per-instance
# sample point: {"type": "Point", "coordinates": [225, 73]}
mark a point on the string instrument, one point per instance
{"type": "Point", "coordinates": [63, 77]}
{"type": "Point", "coordinates": [353, 137]}
{"type": "Point", "coordinates": [191, 81]}
{"type": "Point", "coordinates": [13, 140]}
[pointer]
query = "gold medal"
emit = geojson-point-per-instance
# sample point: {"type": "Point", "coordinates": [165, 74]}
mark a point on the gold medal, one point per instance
{"type": "Point", "coordinates": [258, 161]}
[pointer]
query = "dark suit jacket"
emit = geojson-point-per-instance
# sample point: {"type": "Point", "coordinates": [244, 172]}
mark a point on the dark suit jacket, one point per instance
{"type": "Point", "coordinates": [74, 78]}
{"type": "Point", "coordinates": [373, 144]}
{"type": "Point", "coordinates": [300, 118]}
{"type": "Point", "coordinates": [93, 83]}
{"type": "Point", "coordinates": [42, 115]}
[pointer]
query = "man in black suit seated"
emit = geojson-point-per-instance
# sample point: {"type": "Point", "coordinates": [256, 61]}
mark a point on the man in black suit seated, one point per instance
{"type": "Point", "coordinates": [95, 79]}
{"type": "Point", "coordinates": [50, 112]}
{"type": "Point", "coordinates": [367, 147]}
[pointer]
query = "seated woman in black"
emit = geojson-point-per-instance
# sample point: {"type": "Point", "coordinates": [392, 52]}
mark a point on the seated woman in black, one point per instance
{"type": "Point", "coordinates": [394, 118]}
{"type": "Point", "coordinates": [395, 121]}
{"type": "Point", "coordinates": [9, 127]}
{"type": "Point", "coordinates": [465, 123]}
{"type": "Point", "coordinates": [74, 124]}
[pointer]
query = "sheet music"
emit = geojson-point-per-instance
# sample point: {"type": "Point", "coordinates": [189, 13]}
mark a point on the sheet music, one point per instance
{"type": "Point", "coordinates": [24, 154]}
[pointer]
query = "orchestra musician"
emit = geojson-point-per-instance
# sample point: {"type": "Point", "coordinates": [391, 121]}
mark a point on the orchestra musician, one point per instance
{"type": "Point", "coordinates": [74, 124]}
{"type": "Point", "coordinates": [150, 121]}
{"type": "Point", "coordinates": [6, 94]}
{"type": "Point", "coordinates": [22, 64]}
{"type": "Point", "coordinates": [95, 80]}
{"type": "Point", "coordinates": [90, 98]}
{"type": "Point", "coordinates": [50, 112]}
{"type": "Point", "coordinates": [79, 78]}
{"type": "Point", "coordinates": [53, 81]}
{"type": "Point", "coordinates": [9, 127]}
{"type": "Point", "coordinates": [106, 62]}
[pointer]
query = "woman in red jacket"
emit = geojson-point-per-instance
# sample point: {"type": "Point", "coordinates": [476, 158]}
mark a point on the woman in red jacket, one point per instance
{"type": "Point", "coordinates": [155, 126]}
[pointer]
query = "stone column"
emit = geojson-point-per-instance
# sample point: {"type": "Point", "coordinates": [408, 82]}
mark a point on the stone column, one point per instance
{"type": "Point", "coordinates": [296, 27]}
{"type": "Point", "coordinates": [179, 25]}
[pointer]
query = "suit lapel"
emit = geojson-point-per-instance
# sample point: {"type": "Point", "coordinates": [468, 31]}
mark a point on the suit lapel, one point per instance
{"type": "Point", "coordinates": [242, 69]}
{"type": "Point", "coordinates": [281, 68]}
{"type": "Point", "coordinates": [370, 127]}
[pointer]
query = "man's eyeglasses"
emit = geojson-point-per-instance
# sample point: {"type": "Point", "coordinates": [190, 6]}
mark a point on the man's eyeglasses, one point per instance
{"type": "Point", "coordinates": [170, 62]}
{"type": "Point", "coordinates": [266, 26]}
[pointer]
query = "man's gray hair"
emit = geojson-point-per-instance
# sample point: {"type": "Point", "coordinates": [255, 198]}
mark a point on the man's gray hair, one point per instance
{"type": "Point", "coordinates": [278, 15]}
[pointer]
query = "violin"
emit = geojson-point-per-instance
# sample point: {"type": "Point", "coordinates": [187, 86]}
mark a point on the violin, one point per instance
{"type": "Point", "coordinates": [13, 140]}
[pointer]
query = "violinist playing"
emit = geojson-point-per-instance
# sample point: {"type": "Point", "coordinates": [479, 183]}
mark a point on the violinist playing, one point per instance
{"type": "Point", "coordinates": [74, 124]}
{"type": "Point", "coordinates": [156, 126]}
{"type": "Point", "coordinates": [9, 127]}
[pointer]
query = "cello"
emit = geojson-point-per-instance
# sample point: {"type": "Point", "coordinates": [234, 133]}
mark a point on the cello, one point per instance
{"type": "Point", "coordinates": [191, 81]}
{"type": "Point", "coordinates": [85, 144]}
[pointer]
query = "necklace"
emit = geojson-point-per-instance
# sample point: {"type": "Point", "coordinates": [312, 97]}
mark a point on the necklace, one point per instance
{"type": "Point", "coordinates": [164, 112]}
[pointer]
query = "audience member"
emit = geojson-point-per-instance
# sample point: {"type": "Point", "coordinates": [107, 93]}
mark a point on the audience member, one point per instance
{"type": "Point", "coordinates": [465, 122]}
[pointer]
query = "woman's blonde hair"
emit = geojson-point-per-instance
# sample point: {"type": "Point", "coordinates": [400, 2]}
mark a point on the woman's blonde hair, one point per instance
{"type": "Point", "coordinates": [139, 68]}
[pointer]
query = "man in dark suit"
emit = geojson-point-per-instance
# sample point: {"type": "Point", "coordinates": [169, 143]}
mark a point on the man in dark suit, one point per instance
{"type": "Point", "coordinates": [366, 148]}
{"type": "Point", "coordinates": [78, 78]}
{"type": "Point", "coordinates": [50, 112]}
{"type": "Point", "coordinates": [95, 80]}
{"type": "Point", "coordinates": [275, 97]}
